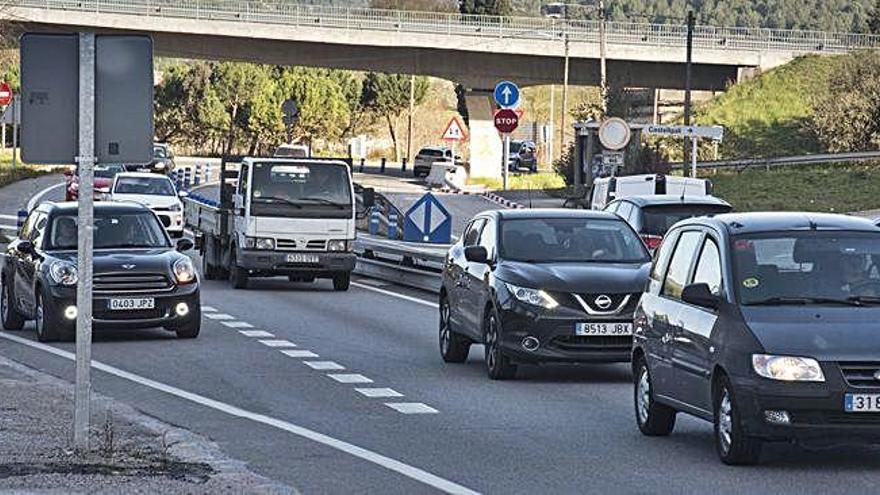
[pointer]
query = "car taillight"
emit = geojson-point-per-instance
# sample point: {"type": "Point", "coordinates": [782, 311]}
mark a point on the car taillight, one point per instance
{"type": "Point", "coordinates": [652, 241]}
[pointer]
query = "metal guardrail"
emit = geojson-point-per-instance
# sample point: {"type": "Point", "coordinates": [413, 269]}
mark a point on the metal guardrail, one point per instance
{"type": "Point", "coordinates": [860, 156]}
{"type": "Point", "coordinates": [410, 264]}
{"type": "Point", "coordinates": [474, 26]}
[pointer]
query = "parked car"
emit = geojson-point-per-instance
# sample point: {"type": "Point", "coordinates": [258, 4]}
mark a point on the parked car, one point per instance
{"type": "Point", "coordinates": [427, 156]}
{"type": "Point", "coordinates": [292, 151]}
{"type": "Point", "coordinates": [653, 216]}
{"type": "Point", "coordinates": [765, 325]}
{"type": "Point", "coordinates": [140, 279]}
{"type": "Point", "coordinates": [155, 191]}
{"type": "Point", "coordinates": [607, 189]}
{"type": "Point", "coordinates": [522, 155]}
{"type": "Point", "coordinates": [103, 178]}
{"type": "Point", "coordinates": [161, 163]}
{"type": "Point", "coordinates": [542, 286]}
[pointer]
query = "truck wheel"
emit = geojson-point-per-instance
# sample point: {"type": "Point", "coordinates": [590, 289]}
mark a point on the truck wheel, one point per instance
{"type": "Point", "coordinates": [237, 275]}
{"type": "Point", "coordinates": [12, 319]}
{"type": "Point", "coordinates": [341, 281]}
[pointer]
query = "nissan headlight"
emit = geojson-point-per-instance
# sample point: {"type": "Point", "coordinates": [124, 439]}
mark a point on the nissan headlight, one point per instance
{"type": "Point", "coordinates": [264, 243]}
{"type": "Point", "coordinates": [338, 245]}
{"type": "Point", "coordinates": [184, 271]}
{"type": "Point", "coordinates": [535, 297]}
{"type": "Point", "coordinates": [63, 273]}
{"type": "Point", "coordinates": [787, 368]}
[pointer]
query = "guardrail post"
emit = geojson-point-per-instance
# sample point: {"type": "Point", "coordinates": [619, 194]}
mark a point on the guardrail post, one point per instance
{"type": "Point", "coordinates": [362, 164]}
{"type": "Point", "coordinates": [382, 166]}
{"type": "Point", "coordinates": [374, 223]}
{"type": "Point", "coordinates": [403, 165]}
{"type": "Point", "coordinates": [392, 225]}
{"type": "Point", "coordinates": [22, 216]}
{"type": "Point", "coordinates": [187, 177]}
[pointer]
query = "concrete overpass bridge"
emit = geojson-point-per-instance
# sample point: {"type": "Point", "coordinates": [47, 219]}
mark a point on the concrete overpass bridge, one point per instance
{"type": "Point", "coordinates": [476, 51]}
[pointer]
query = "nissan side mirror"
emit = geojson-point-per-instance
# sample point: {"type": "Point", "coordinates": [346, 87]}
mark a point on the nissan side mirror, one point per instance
{"type": "Point", "coordinates": [476, 254]}
{"type": "Point", "coordinates": [700, 295]}
{"type": "Point", "coordinates": [184, 245]}
{"type": "Point", "coordinates": [368, 196]}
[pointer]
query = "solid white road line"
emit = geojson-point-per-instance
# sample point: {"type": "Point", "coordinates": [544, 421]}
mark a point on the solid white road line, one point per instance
{"type": "Point", "coordinates": [300, 354]}
{"type": "Point", "coordinates": [236, 324]}
{"type": "Point", "coordinates": [411, 472]}
{"type": "Point", "coordinates": [208, 309]}
{"type": "Point", "coordinates": [219, 316]}
{"type": "Point", "coordinates": [395, 294]}
{"type": "Point", "coordinates": [9, 217]}
{"type": "Point", "coordinates": [255, 333]}
{"type": "Point", "coordinates": [378, 392]}
{"type": "Point", "coordinates": [324, 365]}
{"type": "Point", "coordinates": [9, 227]}
{"type": "Point", "coordinates": [35, 199]}
{"type": "Point", "coordinates": [411, 408]}
{"type": "Point", "coordinates": [278, 343]}
{"type": "Point", "coordinates": [349, 378]}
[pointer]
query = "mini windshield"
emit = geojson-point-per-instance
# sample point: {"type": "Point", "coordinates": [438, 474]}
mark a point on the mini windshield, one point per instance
{"type": "Point", "coordinates": [811, 267]}
{"type": "Point", "coordinates": [547, 240]}
{"type": "Point", "coordinates": [138, 229]}
{"type": "Point", "coordinates": [154, 186]}
{"type": "Point", "coordinates": [659, 219]}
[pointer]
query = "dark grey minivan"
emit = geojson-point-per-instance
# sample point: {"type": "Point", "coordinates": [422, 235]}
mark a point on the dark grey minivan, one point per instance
{"type": "Point", "coordinates": [766, 324]}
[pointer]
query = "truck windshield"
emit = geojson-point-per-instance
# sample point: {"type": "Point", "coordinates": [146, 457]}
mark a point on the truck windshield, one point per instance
{"type": "Point", "coordinates": [301, 189]}
{"type": "Point", "coordinates": [112, 231]}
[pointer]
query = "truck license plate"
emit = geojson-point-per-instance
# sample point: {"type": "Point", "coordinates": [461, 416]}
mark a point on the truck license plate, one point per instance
{"type": "Point", "coordinates": [861, 403]}
{"type": "Point", "coordinates": [302, 258]}
{"type": "Point", "coordinates": [132, 303]}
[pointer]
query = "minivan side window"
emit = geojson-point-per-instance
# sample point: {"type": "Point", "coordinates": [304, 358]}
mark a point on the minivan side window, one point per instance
{"type": "Point", "coordinates": [625, 210]}
{"type": "Point", "coordinates": [709, 267]}
{"type": "Point", "coordinates": [473, 232]}
{"type": "Point", "coordinates": [680, 266]}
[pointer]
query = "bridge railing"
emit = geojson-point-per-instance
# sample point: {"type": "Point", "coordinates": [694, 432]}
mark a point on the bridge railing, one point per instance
{"type": "Point", "coordinates": [476, 26]}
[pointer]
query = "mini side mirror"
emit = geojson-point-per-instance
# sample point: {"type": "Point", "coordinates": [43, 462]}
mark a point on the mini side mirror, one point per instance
{"type": "Point", "coordinates": [700, 295]}
{"type": "Point", "coordinates": [25, 247]}
{"type": "Point", "coordinates": [184, 245]}
{"type": "Point", "coordinates": [476, 254]}
{"type": "Point", "coordinates": [368, 194]}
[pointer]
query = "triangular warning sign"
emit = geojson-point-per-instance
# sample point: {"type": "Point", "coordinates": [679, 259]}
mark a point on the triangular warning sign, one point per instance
{"type": "Point", "coordinates": [454, 131]}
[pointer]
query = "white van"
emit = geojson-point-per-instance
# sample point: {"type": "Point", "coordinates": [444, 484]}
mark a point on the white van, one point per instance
{"type": "Point", "coordinates": [607, 189]}
{"type": "Point", "coordinates": [292, 151]}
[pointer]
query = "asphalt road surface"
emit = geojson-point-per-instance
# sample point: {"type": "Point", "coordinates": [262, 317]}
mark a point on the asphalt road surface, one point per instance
{"type": "Point", "coordinates": [346, 393]}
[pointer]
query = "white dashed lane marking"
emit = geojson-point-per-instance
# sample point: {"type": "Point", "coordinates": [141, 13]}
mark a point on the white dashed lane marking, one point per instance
{"type": "Point", "coordinates": [300, 354]}
{"type": "Point", "coordinates": [324, 365]}
{"type": "Point", "coordinates": [208, 309]}
{"type": "Point", "coordinates": [236, 324]}
{"type": "Point", "coordinates": [379, 392]}
{"type": "Point", "coordinates": [349, 378]}
{"type": "Point", "coordinates": [255, 333]}
{"type": "Point", "coordinates": [219, 316]}
{"type": "Point", "coordinates": [411, 408]}
{"type": "Point", "coordinates": [278, 343]}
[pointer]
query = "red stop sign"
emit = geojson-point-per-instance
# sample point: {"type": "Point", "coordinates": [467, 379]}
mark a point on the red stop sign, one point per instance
{"type": "Point", "coordinates": [506, 120]}
{"type": "Point", "coordinates": [5, 94]}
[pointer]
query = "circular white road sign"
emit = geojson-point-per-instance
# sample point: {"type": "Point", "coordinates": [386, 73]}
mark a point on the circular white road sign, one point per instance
{"type": "Point", "coordinates": [614, 133]}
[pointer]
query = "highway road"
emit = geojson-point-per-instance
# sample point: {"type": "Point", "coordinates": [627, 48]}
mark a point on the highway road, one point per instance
{"type": "Point", "coordinates": [346, 393]}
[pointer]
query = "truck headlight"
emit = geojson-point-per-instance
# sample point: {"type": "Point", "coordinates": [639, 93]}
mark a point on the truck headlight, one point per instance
{"type": "Point", "coordinates": [264, 243]}
{"type": "Point", "coordinates": [535, 297]}
{"type": "Point", "coordinates": [338, 245]}
{"type": "Point", "coordinates": [175, 207]}
{"type": "Point", "coordinates": [787, 368]}
{"type": "Point", "coordinates": [63, 273]}
{"type": "Point", "coordinates": [184, 271]}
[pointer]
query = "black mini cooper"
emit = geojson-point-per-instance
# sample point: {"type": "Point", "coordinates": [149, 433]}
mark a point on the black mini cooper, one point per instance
{"type": "Point", "coordinates": [140, 280]}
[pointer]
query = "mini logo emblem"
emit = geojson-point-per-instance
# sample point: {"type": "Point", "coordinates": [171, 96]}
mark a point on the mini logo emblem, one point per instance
{"type": "Point", "coordinates": [877, 375]}
{"type": "Point", "coordinates": [602, 302]}
{"type": "Point", "coordinates": [128, 266]}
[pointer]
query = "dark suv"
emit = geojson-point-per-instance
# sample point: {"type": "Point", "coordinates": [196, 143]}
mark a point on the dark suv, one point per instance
{"type": "Point", "coordinates": [542, 286]}
{"type": "Point", "coordinates": [766, 325]}
{"type": "Point", "coordinates": [140, 280]}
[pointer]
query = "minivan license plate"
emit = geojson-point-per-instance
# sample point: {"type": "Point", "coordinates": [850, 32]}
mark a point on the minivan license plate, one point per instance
{"type": "Point", "coordinates": [861, 403]}
{"type": "Point", "coordinates": [132, 303]}
{"type": "Point", "coordinates": [302, 258]}
{"type": "Point", "coordinates": [603, 329]}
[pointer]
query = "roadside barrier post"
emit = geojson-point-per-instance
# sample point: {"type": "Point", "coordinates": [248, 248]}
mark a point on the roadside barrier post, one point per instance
{"type": "Point", "coordinates": [403, 165]}
{"type": "Point", "coordinates": [374, 223]}
{"type": "Point", "coordinates": [382, 166]}
{"type": "Point", "coordinates": [362, 164]}
{"type": "Point", "coordinates": [22, 216]}
{"type": "Point", "coordinates": [199, 176]}
{"type": "Point", "coordinates": [208, 172]}
{"type": "Point", "coordinates": [392, 225]}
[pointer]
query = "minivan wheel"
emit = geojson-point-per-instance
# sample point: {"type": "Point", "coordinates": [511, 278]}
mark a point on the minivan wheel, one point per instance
{"type": "Point", "coordinates": [653, 418]}
{"type": "Point", "coordinates": [454, 347]}
{"type": "Point", "coordinates": [12, 319]}
{"type": "Point", "coordinates": [498, 365]}
{"type": "Point", "coordinates": [732, 444]}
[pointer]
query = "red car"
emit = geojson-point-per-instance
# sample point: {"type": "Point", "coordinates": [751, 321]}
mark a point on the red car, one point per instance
{"type": "Point", "coordinates": [104, 175]}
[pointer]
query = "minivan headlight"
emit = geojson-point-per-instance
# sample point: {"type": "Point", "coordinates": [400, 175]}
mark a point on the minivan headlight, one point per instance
{"type": "Point", "coordinates": [63, 273]}
{"type": "Point", "coordinates": [184, 271]}
{"type": "Point", "coordinates": [535, 297]}
{"type": "Point", "coordinates": [787, 368]}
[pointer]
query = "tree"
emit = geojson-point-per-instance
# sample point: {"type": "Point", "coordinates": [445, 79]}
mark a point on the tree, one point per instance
{"type": "Point", "coordinates": [323, 109]}
{"type": "Point", "coordinates": [387, 95]}
{"type": "Point", "coordinates": [416, 5]}
{"type": "Point", "coordinates": [846, 114]}
{"type": "Point", "coordinates": [237, 84]}
{"type": "Point", "coordinates": [186, 105]}
{"type": "Point", "coordinates": [486, 7]}
{"type": "Point", "coordinates": [874, 19]}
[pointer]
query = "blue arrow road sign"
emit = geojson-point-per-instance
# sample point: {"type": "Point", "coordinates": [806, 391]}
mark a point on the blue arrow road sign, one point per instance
{"type": "Point", "coordinates": [427, 221]}
{"type": "Point", "coordinates": [507, 94]}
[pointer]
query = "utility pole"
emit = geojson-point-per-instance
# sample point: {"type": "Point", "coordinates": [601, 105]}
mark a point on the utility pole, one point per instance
{"type": "Point", "coordinates": [564, 85]}
{"type": "Point", "coordinates": [687, 84]}
{"type": "Point", "coordinates": [603, 71]}
{"type": "Point", "coordinates": [409, 130]}
{"type": "Point", "coordinates": [550, 147]}
{"type": "Point", "coordinates": [85, 214]}
{"type": "Point", "coordinates": [15, 109]}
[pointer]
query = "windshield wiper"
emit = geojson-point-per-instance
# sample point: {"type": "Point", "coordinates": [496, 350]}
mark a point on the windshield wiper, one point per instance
{"type": "Point", "coordinates": [784, 301]}
{"type": "Point", "coordinates": [269, 199]}
{"type": "Point", "coordinates": [864, 299]}
{"type": "Point", "coordinates": [324, 201]}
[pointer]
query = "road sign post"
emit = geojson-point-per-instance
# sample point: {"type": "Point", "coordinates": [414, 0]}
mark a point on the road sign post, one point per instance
{"type": "Point", "coordinates": [14, 134]}
{"type": "Point", "coordinates": [506, 121]}
{"type": "Point", "coordinates": [505, 160]}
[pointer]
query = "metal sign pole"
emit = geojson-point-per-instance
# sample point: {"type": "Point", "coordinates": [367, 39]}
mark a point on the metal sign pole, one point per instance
{"type": "Point", "coordinates": [694, 157]}
{"type": "Point", "coordinates": [85, 161]}
{"type": "Point", "coordinates": [505, 159]}
{"type": "Point", "coordinates": [14, 133]}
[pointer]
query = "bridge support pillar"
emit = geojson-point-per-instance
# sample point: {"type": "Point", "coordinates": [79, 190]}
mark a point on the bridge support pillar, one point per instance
{"type": "Point", "coordinates": [485, 142]}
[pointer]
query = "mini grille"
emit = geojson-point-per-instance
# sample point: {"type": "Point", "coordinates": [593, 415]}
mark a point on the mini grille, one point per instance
{"type": "Point", "coordinates": [116, 283]}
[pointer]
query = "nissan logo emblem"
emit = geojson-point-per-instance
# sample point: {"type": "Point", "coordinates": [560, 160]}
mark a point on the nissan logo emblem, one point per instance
{"type": "Point", "coordinates": [603, 302]}
{"type": "Point", "coordinates": [877, 375]}
{"type": "Point", "coordinates": [128, 267]}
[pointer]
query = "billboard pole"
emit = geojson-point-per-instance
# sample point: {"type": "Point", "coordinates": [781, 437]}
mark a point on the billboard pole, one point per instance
{"type": "Point", "coordinates": [85, 161]}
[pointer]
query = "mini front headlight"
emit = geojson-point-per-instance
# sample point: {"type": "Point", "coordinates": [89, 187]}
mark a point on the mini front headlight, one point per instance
{"type": "Point", "coordinates": [787, 368]}
{"type": "Point", "coordinates": [63, 273]}
{"type": "Point", "coordinates": [337, 245]}
{"type": "Point", "coordinates": [184, 272]}
{"type": "Point", "coordinates": [535, 297]}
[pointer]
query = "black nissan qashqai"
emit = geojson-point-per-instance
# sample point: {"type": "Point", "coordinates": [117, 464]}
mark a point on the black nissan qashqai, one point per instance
{"type": "Point", "coordinates": [140, 279]}
{"type": "Point", "coordinates": [542, 286]}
